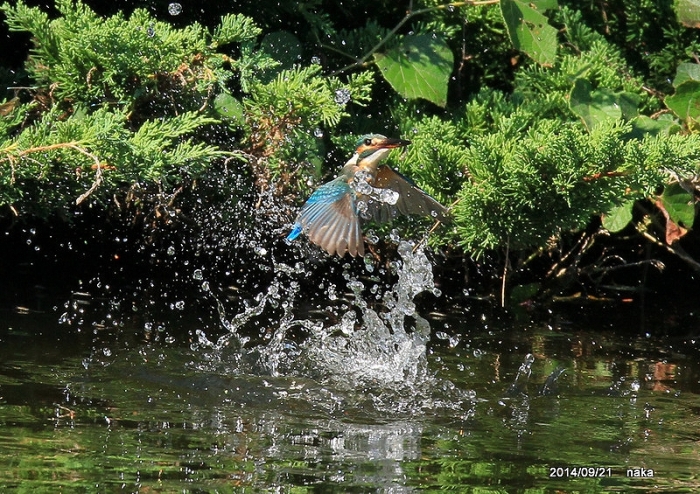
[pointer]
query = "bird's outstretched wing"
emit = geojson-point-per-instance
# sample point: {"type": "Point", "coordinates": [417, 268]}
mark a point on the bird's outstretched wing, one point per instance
{"type": "Point", "coordinates": [329, 218]}
{"type": "Point", "coordinates": [411, 199]}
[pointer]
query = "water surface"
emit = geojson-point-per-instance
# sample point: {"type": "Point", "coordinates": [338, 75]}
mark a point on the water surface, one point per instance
{"type": "Point", "coordinates": [360, 393]}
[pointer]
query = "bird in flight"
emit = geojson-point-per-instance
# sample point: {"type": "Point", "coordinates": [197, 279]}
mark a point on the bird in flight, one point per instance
{"type": "Point", "coordinates": [365, 190]}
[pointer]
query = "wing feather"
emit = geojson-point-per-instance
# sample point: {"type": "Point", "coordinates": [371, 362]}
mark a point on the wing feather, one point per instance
{"type": "Point", "coordinates": [412, 200]}
{"type": "Point", "coordinates": [329, 219]}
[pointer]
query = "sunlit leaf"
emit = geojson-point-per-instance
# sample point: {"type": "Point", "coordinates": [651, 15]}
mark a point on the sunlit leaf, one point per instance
{"type": "Point", "coordinates": [593, 107]}
{"type": "Point", "coordinates": [642, 125]}
{"type": "Point", "coordinates": [679, 204]}
{"type": "Point", "coordinates": [686, 72]}
{"type": "Point", "coordinates": [688, 12]}
{"type": "Point", "coordinates": [528, 29]}
{"type": "Point", "coordinates": [228, 108]}
{"type": "Point", "coordinates": [420, 67]}
{"type": "Point", "coordinates": [686, 101]}
{"type": "Point", "coordinates": [618, 217]}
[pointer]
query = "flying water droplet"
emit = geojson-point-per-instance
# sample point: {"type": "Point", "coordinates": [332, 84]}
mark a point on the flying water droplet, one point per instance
{"type": "Point", "coordinates": [389, 196]}
{"type": "Point", "coordinates": [342, 96]}
{"type": "Point", "coordinates": [370, 236]}
{"type": "Point", "coordinates": [174, 8]}
{"type": "Point", "coordinates": [318, 133]}
{"type": "Point", "coordinates": [361, 208]}
{"type": "Point", "coordinates": [394, 236]}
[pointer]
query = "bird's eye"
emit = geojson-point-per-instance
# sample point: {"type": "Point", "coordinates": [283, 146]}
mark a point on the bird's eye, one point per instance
{"type": "Point", "coordinates": [368, 142]}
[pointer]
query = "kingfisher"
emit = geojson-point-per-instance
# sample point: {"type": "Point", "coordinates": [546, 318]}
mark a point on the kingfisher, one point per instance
{"type": "Point", "coordinates": [364, 190]}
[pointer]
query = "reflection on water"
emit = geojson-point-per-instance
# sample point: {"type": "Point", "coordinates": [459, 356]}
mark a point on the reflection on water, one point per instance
{"type": "Point", "coordinates": [161, 417]}
{"type": "Point", "coordinates": [366, 396]}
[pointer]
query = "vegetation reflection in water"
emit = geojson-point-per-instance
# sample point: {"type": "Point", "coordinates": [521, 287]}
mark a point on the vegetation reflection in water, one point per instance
{"type": "Point", "coordinates": [383, 408]}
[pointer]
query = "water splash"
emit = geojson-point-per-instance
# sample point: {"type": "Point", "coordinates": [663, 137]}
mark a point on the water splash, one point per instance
{"type": "Point", "coordinates": [375, 354]}
{"type": "Point", "coordinates": [382, 352]}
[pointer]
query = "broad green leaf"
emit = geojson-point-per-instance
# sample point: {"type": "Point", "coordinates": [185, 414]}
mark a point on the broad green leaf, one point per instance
{"type": "Point", "coordinates": [523, 293]}
{"type": "Point", "coordinates": [686, 101]}
{"type": "Point", "coordinates": [282, 46]}
{"type": "Point", "coordinates": [229, 108]}
{"type": "Point", "coordinates": [420, 67]}
{"type": "Point", "coordinates": [629, 104]}
{"type": "Point", "coordinates": [618, 217]}
{"type": "Point", "coordinates": [528, 29]}
{"type": "Point", "coordinates": [543, 5]}
{"type": "Point", "coordinates": [642, 125]}
{"type": "Point", "coordinates": [679, 204]}
{"type": "Point", "coordinates": [686, 72]}
{"type": "Point", "coordinates": [593, 107]}
{"type": "Point", "coordinates": [688, 12]}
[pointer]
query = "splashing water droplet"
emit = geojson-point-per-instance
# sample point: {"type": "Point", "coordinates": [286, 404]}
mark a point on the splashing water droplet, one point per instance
{"type": "Point", "coordinates": [318, 133]}
{"type": "Point", "coordinates": [389, 196]}
{"type": "Point", "coordinates": [174, 8]}
{"type": "Point", "coordinates": [394, 236]}
{"type": "Point", "coordinates": [371, 237]}
{"type": "Point", "coordinates": [315, 60]}
{"type": "Point", "coordinates": [360, 183]}
{"type": "Point", "coordinates": [362, 209]}
{"type": "Point", "coordinates": [342, 96]}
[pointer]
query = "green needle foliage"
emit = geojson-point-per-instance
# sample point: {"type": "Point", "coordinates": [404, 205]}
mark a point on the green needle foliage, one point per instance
{"type": "Point", "coordinates": [533, 119]}
{"type": "Point", "coordinates": [84, 57]}
{"type": "Point", "coordinates": [118, 103]}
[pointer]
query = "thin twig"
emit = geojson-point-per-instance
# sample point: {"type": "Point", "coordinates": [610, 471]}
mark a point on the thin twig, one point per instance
{"type": "Point", "coordinates": [409, 15]}
{"type": "Point", "coordinates": [98, 174]}
{"type": "Point", "coordinates": [75, 145]}
{"type": "Point", "coordinates": [678, 252]}
{"type": "Point", "coordinates": [434, 227]}
{"type": "Point", "coordinates": [505, 273]}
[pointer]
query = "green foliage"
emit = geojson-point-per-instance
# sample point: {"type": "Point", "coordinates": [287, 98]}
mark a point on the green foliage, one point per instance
{"type": "Point", "coordinates": [296, 103]}
{"type": "Point", "coordinates": [54, 159]}
{"type": "Point", "coordinates": [437, 158]}
{"type": "Point", "coordinates": [234, 28]}
{"type": "Point", "coordinates": [679, 204]}
{"type": "Point", "coordinates": [117, 103]}
{"type": "Point", "coordinates": [618, 217]}
{"type": "Point", "coordinates": [529, 30]}
{"type": "Point", "coordinates": [532, 147]}
{"type": "Point", "coordinates": [87, 58]}
{"type": "Point", "coordinates": [419, 67]}
{"type": "Point", "coordinates": [523, 191]}
{"type": "Point", "coordinates": [596, 106]}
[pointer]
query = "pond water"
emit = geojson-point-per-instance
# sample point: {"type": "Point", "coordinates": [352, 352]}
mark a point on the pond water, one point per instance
{"type": "Point", "coordinates": [368, 397]}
